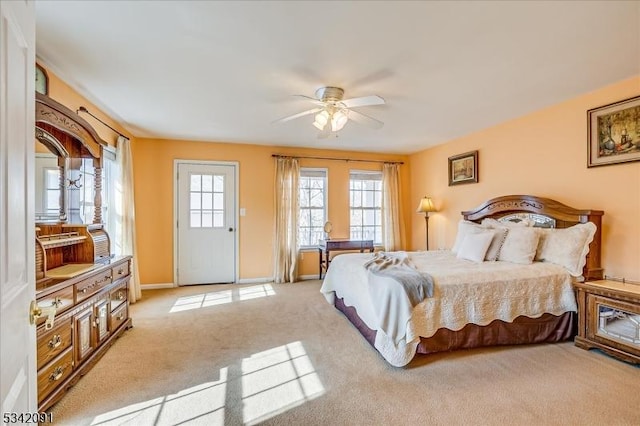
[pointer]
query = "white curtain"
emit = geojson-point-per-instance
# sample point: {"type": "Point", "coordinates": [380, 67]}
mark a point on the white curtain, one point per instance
{"type": "Point", "coordinates": [122, 221]}
{"type": "Point", "coordinates": [392, 225]}
{"type": "Point", "coordinates": [286, 227]}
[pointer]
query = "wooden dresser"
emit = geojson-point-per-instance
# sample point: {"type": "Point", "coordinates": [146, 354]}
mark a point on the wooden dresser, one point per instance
{"type": "Point", "coordinates": [89, 291]}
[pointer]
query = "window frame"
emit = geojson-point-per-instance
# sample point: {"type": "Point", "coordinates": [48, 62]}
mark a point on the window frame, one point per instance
{"type": "Point", "coordinates": [377, 226]}
{"type": "Point", "coordinates": [325, 208]}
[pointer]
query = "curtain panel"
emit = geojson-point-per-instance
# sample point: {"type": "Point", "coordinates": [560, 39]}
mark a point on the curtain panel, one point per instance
{"type": "Point", "coordinates": [125, 216]}
{"type": "Point", "coordinates": [286, 226]}
{"type": "Point", "coordinates": [392, 226]}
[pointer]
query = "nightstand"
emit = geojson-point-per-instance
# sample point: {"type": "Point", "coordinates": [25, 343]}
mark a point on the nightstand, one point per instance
{"type": "Point", "coordinates": [609, 318]}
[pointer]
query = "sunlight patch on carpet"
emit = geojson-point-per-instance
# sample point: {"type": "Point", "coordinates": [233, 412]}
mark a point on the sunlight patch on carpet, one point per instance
{"type": "Point", "coordinates": [276, 380]}
{"type": "Point", "coordinates": [203, 403]}
{"type": "Point", "coordinates": [203, 300]}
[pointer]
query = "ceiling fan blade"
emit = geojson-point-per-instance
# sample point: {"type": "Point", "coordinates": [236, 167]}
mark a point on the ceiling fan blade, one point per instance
{"type": "Point", "coordinates": [298, 115]}
{"type": "Point", "coordinates": [363, 101]}
{"type": "Point", "coordinates": [310, 99]}
{"type": "Point", "coordinates": [361, 118]}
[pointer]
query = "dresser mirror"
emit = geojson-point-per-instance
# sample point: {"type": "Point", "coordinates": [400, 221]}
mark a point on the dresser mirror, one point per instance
{"type": "Point", "coordinates": [68, 165]}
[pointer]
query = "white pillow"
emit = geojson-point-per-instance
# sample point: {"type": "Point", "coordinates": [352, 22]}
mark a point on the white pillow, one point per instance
{"type": "Point", "coordinates": [566, 247]}
{"type": "Point", "coordinates": [474, 245]}
{"type": "Point", "coordinates": [520, 245]}
{"type": "Point", "coordinates": [465, 227]}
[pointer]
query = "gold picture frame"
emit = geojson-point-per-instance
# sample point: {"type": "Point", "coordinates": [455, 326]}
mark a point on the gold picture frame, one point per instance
{"type": "Point", "coordinates": [614, 133]}
{"type": "Point", "coordinates": [463, 168]}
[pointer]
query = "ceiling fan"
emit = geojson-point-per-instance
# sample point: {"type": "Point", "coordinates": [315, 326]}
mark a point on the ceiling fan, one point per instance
{"type": "Point", "coordinates": [333, 112]}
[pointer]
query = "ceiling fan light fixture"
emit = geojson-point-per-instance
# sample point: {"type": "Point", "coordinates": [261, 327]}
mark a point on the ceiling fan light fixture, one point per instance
{"type": "Point", "coordinates": [338, 120]}
{"type": "Point", "coordinates": [321, 119]}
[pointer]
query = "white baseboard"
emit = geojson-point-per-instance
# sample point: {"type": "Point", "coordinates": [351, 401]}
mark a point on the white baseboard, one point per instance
{"type": "Point", "coordinates": [255, 280]}
{"type": "Point", "coordinates": [308, 277]}
{"type": "Point", "coordinates": [156, 286]}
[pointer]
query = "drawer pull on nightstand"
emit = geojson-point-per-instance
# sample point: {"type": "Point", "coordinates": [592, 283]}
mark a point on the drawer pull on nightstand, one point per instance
{"type": "Point", "coordinates": [120, 295]}
{"type": "Point", "coordinates": [57, 374]}
{"type": "Point", "coordinates": [55, 341]}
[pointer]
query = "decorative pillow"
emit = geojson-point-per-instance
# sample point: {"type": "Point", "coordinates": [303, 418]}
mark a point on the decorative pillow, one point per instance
{"type": "Point", "coordinates": [465, 227]}
{"type": "Point", "coordinates": [520, 245]}
{"type": "Point", "coordinates": [566, 247]}
{"type": "Point", "coordinates": [474, 245]}
{"type": "Point", "coordinates": [496, 243]}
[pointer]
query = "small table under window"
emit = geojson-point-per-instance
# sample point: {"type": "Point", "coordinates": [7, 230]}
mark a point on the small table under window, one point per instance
{"type": "Point", "coordinates": [325, 247]}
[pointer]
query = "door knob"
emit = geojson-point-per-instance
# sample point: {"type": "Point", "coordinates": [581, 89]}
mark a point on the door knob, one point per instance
{"type": "Point", "coordinates": [230, 229]}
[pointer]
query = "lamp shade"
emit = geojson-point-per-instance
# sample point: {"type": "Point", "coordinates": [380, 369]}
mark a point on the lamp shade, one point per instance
{"type": "Point", "coordinates": [426, 206]}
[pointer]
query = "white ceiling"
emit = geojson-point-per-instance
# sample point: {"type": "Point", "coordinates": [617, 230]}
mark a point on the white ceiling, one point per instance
{"type": "Point", "coordinates": [223, 71]}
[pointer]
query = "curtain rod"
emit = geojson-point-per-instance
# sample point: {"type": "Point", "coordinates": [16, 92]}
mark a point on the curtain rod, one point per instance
{"type": "Point", "coordinates": [336, 159]}
{"type": "Point", "coordinates": [83, 109]}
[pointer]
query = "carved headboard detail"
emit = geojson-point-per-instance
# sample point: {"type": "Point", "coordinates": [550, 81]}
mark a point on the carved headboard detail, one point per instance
{"type": "Point", "coordinates": [563, 215]}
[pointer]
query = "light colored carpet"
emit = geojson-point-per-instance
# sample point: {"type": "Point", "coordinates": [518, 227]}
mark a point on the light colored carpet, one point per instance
{"type": "Point", "coordinates": [279, 354]}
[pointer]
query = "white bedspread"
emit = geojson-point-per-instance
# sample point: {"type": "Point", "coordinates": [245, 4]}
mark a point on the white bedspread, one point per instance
{"type": "Point", "coordinates": [465, 292]}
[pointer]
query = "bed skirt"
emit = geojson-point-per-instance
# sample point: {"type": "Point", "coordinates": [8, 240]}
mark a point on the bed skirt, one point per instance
{"type": "Point", "coordinates": [523, 330]}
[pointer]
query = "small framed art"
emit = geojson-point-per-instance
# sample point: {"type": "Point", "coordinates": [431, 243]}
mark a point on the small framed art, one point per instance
{"type": "Point", "coordinates": [614, 133]}
{"type": "Point", "coordinates": [463, 168]}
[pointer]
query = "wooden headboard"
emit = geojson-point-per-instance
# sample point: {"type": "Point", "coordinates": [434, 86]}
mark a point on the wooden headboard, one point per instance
{"type": "Point", "coordinates": [546, 212]}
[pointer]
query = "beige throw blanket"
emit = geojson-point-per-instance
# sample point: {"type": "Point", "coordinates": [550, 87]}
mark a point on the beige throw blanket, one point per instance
{"type": "Point", "coordinates": [396, 287]}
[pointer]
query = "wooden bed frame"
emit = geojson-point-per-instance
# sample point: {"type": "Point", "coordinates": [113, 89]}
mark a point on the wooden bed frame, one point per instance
{"type": "Point", "coordinates": [523, 330]}
{"type": "Point", "coordinates": [541, 210]}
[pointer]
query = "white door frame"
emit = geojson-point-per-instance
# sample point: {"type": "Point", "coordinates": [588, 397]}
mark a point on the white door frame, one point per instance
{"type": "Point", "coordinates": [18, 379]}
{"type": "Point", "coordinates": [236, 207]}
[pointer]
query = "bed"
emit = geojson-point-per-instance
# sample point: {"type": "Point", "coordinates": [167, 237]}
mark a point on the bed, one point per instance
{"type": "Point", "coordinates": [507, 280]}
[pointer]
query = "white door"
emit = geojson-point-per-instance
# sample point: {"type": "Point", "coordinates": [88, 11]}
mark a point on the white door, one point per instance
{"type": "Point", "coordinates": [206, 225]}
{"type": "Point", "coordinates": [17, 233]}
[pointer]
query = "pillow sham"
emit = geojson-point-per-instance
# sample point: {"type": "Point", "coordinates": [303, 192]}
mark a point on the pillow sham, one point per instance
{"type": "Point", "coordinates": [465, 227]}
{"type": "Point", "coordinates": [520, 245]}
{"type": "Point", "coordinates": [567, 247]}
{"type": "Point", "coordinates": [474, 245]}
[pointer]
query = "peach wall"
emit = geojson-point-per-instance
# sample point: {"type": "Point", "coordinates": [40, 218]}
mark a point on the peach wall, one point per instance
{"type": "Point", "coordinates": [543, 154]}
{"type": "Point", "coordinates": [153, 174]}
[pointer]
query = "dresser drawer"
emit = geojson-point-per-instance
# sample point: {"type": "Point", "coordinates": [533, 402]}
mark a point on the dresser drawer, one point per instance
{"type": "Point", "coordinates": [120, 271]}
{"type": "Point", "coordinates": [53, 342]}
{"type": "Point", "coordinates": [93, 284]}
{"type": "Point", "coordinates": [119, 316]}
{"type": "Point", "coordinates": [118, 295]}
{"type": "Point", "coordinates": [50, 377]}
{"type": "Point", "coordinates": [62, 299]}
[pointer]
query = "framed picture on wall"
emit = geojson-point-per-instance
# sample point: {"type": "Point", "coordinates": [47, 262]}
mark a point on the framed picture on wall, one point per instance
{"type": "Point", "coordinates": [614, 133]}
{"type": "Point", "coordinates": [463, 168]}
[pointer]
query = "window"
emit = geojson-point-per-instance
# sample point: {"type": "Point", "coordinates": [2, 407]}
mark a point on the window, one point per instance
{"type": "Point", "coordinates": [365, 193]}
{"type": "Point", "coordinates": [206, 208]}
{"type": "Point", "coordinates": [312, 206]}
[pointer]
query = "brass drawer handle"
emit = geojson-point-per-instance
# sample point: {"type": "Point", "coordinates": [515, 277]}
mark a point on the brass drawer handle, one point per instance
{"type": "Point", "coordinates": [57, 302]}
{"type": "Point", "coordinates": [108, 277]}
{"type": "Point", "coordinates": [120, 295]}
{"type": "Point", "coordinates": [57, 374]}
{"type": "Point", "coordinates": [55, 341]}
{"type": "Point", "coordinates": [120, 317]}
{"type": "Point", "coordinates": [120, 271]}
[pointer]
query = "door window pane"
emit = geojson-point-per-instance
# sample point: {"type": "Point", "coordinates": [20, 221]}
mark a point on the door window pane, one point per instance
{"type": "Point", "coordinates": [206, 209]}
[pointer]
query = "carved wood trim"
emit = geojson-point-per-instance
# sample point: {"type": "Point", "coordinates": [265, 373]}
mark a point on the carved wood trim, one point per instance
{"type": "Point", "coordinates": [62, 118]}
